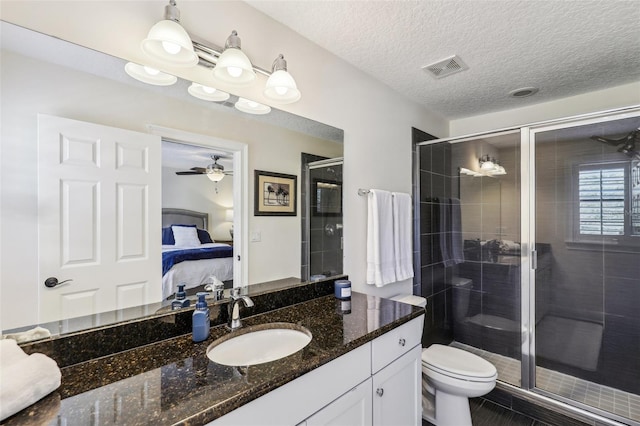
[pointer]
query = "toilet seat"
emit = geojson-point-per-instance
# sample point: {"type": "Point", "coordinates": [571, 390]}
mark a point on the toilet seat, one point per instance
{"type": "Point", "coordinates": [458, 364]}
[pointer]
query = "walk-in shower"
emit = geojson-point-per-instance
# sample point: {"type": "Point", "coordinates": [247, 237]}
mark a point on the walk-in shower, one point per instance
{"type": "Point", "coordinates": [322, 241]}
{"type": "Point", "coordinates": [530, 252]}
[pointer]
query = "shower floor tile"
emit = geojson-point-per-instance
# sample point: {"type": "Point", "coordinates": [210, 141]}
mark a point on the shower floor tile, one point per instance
{"type": "Point", "coordinates": [603, 397]}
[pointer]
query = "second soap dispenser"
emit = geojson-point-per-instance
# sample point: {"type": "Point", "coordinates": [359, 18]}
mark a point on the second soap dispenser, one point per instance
{"type": "Point", "coordinates": [181, 300]}
{"type": "Point", "coordinates": [200, 319]}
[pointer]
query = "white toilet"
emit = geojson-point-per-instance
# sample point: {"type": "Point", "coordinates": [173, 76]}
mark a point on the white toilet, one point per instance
{"type": "Point", "coordinates": [450, 377]}
{"type": "Point", "coordinates": [455, 375]}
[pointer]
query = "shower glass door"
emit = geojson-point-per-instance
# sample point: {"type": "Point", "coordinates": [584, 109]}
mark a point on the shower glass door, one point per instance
{"type": "Point", "coordinates": [586, 284]}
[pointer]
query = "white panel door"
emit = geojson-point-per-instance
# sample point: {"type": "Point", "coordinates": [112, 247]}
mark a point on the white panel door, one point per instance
{"type": "Point", "coordinates": [99, 204]}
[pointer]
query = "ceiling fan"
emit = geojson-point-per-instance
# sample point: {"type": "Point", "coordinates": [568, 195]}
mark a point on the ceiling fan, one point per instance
{"type": "Point", "coordinates": [625, 145]}
{"type": "Point", "coordinates": [214, 171]}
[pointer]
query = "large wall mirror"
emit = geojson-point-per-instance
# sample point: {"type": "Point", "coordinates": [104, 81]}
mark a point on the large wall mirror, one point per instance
{"type": "Point", "coordinates": [161, 134]}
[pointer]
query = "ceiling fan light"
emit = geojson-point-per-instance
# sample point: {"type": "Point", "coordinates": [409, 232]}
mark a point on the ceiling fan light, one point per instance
{"type": "Point", "coordinates": [215, 175]}
{"type": "Point", "coordinates": [207, 93]}
{"type": "Point", "coordinates": [149, 75]}
{"type": "Point", "coordinates": [233, 66]}
{"type": "Point", "coordinates": [252, 107]}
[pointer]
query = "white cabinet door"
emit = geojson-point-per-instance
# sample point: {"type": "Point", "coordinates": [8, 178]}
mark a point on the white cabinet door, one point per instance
{"type": "Point", "coordinates": [98, 218]}
{"type": "Point", "coordinates": [396, 391]}
{"type": "Point", "coordinates": [353, 409]}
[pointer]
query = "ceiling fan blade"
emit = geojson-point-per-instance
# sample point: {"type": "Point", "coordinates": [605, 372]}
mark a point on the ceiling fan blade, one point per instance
{"type": "Point", "coordinates": [199, 169]}
{"type": "Point", "coordinates": [612, 142]}
{"type": "Point", "coordinates": [188, 173]}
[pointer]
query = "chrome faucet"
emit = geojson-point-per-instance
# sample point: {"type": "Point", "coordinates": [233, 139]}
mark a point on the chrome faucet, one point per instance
{"type": "Point", "coordinates": [234, 310]}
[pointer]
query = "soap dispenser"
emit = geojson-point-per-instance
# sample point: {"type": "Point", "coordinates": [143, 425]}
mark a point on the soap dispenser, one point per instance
{"type": "Point", "coordinates": [181, 300]}
{"type": "Point", "coordinates": [200, 319]}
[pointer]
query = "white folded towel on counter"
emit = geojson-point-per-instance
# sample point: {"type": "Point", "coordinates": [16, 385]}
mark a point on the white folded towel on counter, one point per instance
{"type": "Point", "coordinates": [24, 379]}
{"type": "Point", "coordinates": [26, 336]}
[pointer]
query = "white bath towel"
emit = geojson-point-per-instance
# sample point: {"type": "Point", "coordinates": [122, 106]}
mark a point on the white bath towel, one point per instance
{"type": "Point", "coordinates": [380, 252]}
{"type": "Point", "coordinates": [24, 379]}
{"type": "Point", "coordinates": [26, 336]}
{"type": "Point", "coordinates": [402, 236]}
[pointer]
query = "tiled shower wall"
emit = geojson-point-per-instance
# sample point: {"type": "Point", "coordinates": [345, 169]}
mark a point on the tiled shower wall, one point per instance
{"type": "Point", "coordinates": [432, 174]}
{"type": "Point", "coordinates": [325, 232]}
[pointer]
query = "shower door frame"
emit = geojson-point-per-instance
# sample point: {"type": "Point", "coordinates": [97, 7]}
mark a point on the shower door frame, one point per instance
{"type": "Point", "coordinates": [528, 233]}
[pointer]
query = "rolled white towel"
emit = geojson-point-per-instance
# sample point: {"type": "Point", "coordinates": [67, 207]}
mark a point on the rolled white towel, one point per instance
{"type": "Point", "coordinates": [24, 379]}
{"type": "Point", "coordinates": [10, 353]}
{"type": "Point", "coordinates": [26, 336]}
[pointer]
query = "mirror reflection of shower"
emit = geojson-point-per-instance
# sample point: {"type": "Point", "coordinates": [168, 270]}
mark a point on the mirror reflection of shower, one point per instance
{"type": "Point", "coordinates": [322, 237]}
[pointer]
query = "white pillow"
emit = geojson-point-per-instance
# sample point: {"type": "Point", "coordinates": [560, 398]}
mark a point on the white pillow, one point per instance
{"type": "Point", "coordinates": [185, 236]}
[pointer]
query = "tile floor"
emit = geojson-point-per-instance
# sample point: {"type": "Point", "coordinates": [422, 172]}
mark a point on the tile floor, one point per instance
{"type": "Point", "coordinates": [486, 413]}
{"type": "Point", "coordinates": [603, 397]}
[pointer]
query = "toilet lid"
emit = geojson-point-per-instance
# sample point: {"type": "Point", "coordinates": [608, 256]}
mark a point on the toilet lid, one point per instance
{"type": "Point", "coordinates": [457, 361]}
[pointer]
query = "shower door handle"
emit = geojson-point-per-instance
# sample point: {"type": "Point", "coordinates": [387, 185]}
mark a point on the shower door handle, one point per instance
{"type": "Point", "coordinates": [534, 259]}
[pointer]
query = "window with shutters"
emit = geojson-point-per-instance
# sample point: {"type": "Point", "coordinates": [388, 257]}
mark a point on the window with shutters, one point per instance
{"type": "Point", "coordinates": [605, 209]}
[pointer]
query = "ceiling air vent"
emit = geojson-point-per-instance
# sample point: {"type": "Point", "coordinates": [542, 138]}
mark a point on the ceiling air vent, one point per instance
{"type": "Point", "coordinates": [446, 67]}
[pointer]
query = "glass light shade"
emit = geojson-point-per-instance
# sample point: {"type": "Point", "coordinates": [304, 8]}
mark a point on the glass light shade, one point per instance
{"type": "Point", "coordinates": [168, 42]}
{"type": "Point", "coordinates": [281, 87]}
{"type": "Point", "coordinates": [207, 93]}
{"type": "Point", "coordinates": [252, 107]}
{"type": "Point", "coordinates": [149, 75]}
{"type": "Point", "coordinates": [233, 67]}
{"type": "Point", "coordinates": [215, 175]}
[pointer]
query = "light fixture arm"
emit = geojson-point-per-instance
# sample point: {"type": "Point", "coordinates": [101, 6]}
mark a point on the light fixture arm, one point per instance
{"type": "Point", "coordinates": [279, 64]}
{"type": "Point", "coordinates": [209, 54]}
{"type": "Point", "coordinates": [171, 11]}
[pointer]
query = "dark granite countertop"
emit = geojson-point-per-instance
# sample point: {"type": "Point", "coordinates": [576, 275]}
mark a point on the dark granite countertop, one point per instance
{"type": "Point", "coordinates": [173, 381]}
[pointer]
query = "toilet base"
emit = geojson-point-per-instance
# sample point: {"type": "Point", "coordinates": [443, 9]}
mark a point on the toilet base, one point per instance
{"type": "Point", "coordinates": [451, 410]}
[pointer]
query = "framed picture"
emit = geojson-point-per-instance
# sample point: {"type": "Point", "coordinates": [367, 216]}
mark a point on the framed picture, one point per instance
{"type": "Point", "coordinates": [327, 199]}
{"type": "Point", "coordinates": [275, 194]}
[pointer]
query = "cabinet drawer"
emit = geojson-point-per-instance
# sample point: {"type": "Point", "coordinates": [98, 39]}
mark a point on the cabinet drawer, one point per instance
{"type": "Point", "coordinates": [395, 343]}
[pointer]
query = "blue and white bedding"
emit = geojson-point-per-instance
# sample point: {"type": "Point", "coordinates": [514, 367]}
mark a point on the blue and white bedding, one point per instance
{"type": "Point", "coordinates": [172, 255]}
{"type": "Point", "coordinates": [194, 266]}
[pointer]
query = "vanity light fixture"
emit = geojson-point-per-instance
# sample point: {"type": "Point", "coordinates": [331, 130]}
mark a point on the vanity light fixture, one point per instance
{"type": "Point", "coordinates": [233, 66]}
{"type": "Point", "coordinates": [168, 42]}
{"type": "Point", "coordinates": [207, 93]}
{"type": "Point", "coordinates": [281, 87]}
{"type": "Point", "coordinates": [490, 167]}
{"type": "Point", "coordinates": [486, 164]}
{"type": "Point", "coordinates": [252, 107]}
{"type": "Point", "coordinates": [149, 75]}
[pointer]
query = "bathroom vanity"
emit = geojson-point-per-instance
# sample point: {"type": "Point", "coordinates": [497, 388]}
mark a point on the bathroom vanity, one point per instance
{"type": "Point", "coordinates": [362, 363]}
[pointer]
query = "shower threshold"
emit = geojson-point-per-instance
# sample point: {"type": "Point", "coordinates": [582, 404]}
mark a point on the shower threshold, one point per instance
{"type": "Point", "coordinates": [620, 403]}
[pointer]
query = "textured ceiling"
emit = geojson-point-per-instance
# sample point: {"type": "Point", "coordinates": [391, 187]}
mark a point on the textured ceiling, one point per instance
{"type": "Point", "coordinates": [563, 47]}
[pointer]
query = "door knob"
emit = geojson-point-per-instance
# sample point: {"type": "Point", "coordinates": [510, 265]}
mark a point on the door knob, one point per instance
{"type": "Point", "coordinates": [402, 342]}
{"type": "Point", "coordinates": [53, 281]}
{"type": "Point", "coordinates": [380, 391]}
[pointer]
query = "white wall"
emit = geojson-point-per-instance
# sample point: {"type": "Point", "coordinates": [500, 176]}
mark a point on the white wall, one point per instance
{"type": "Point", "coordinates": [600, 100]}
{"type": "Point", "coordinates": [198, 193]}
{"type": "Point", "coordinates": [377, 121]}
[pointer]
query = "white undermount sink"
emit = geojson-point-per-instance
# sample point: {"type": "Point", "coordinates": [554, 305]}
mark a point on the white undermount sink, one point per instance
{"type": "Point", "coordinates": [259, 344]}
